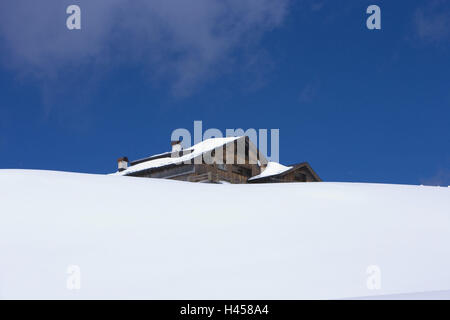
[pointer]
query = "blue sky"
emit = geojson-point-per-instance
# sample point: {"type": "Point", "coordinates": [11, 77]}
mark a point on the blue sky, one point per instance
{"type": "Point", "coordinates": [358, 105]}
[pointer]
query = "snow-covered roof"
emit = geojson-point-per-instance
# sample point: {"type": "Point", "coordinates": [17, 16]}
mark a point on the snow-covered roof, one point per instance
{"type": "Point", "coordinates": [191, 153]}
{"type": "Point", "coordinates": [273, 168]}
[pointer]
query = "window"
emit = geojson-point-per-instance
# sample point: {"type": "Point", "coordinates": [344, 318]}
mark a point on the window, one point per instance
{"type": "Point", "coordinates": [301, 177]}
{"type": "Point", "coordinates": [242, 171]}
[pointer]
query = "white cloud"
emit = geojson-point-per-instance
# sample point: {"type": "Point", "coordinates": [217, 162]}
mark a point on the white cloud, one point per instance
{"type": "Point", "coordinates": [185, 42]}
{"type": "Point", "coordinates": [432, 22]}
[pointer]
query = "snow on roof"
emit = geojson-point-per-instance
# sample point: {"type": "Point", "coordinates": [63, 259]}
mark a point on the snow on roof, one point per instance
{"type": "Point", "coordinates": [194, 151]}
{"type": "Point", "coordinates": [273, 168]}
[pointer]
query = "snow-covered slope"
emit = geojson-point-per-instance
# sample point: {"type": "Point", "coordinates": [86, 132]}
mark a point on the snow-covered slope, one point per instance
{"type": "Point", "coordinates": [145, 238]}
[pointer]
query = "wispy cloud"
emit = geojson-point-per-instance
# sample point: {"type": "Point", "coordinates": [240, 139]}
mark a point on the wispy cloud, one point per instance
{"type": "Point", "coordinates": [317, 5]}
{"type": "Point", "coordinates": [432, 21]}
{"type": "Point", "coordinates": [309, 91]}
{"type": "Point", "coordinates": [183, 42]}
{"type": "Point", "coordinates": [441, 178]}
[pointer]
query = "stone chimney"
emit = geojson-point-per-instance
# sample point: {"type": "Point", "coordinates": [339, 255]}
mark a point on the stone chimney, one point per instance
{"type": "Point", "coordinates": [122, 163]}
{"type": "Point", "coordinates": [176, 146]}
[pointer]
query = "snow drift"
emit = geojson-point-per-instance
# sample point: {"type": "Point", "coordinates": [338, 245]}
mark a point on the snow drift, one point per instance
{"type": "Point", "coordinates": [161, 239]}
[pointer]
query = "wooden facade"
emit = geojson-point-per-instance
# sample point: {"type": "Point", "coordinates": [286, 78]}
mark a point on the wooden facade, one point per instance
{"type": "Point", "coordinates": [233, 162]}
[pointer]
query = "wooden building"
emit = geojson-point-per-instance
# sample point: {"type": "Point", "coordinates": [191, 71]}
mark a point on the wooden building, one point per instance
{"type": "Point", "coordinates": [216, 160]}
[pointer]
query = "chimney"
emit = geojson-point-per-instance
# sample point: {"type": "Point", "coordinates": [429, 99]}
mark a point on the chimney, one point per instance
{"type": "Point", "coordinates": [176, 146]}
{"type": "Point", "coordinates": [122, 163]}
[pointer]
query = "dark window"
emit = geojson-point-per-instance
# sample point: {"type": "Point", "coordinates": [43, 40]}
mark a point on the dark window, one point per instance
{"type": "Point", "coordinates": [242, 171]}
{"type": "Point", "coordinates": [301, 177]}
